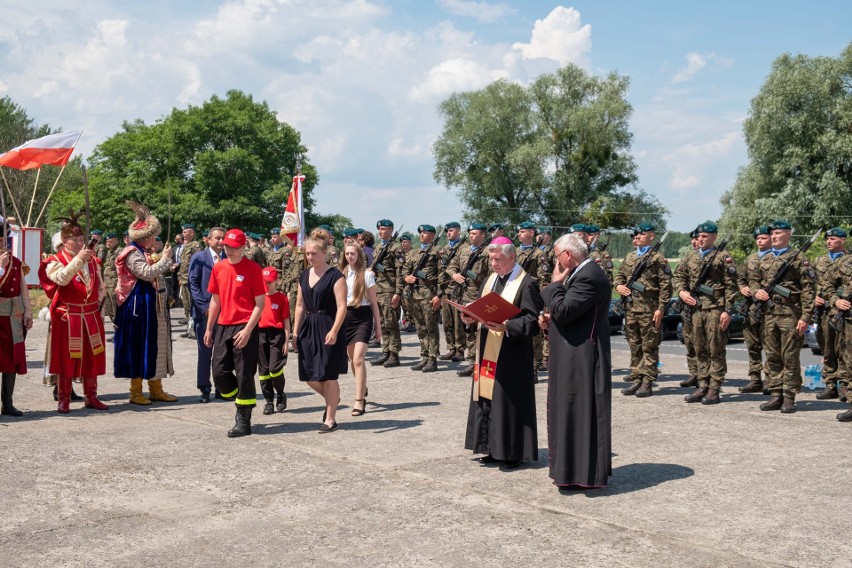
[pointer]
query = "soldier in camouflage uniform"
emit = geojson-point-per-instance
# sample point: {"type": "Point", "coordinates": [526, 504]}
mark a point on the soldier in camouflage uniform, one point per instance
{"type": "Point", "coordinates": [644, 314]}
{"type": "Point", "coordinates": [405, 303]}
{"type": "Point", "coordinates": [110, 275]}
{"type": "Point", "coordinates": [190, 247]}
{"type": "Point", "coordinates": [467, 271]}
{"type": "Point", "coordinates": [279, 256]}
{"type": "Point", "coordinates": [753, 331]}
{"type": "Point", "coordinates": [454, 333]}
{"type": "Point", "coordinates": [388, 260]}
{"type": "Point", "coordinates": [837, 294]}
{"type": "Point", "coordinates": [253, 251]}
{"type": "Point", "coordinates": [686, 329]}
{"type": "Point", "coordinates": [294, 263]}
{"type": "Point", "coordinates": [834, 369]}
{"type": "Point", "coordinates": [785, 318]}
{"type": "Point", "coordinates": [711, 310]}
{"type": "Point", "coordinates": [544, 238]}
{"type": "Point", "coordinates": [99, 248]}
{"type": "Point", "coordinates": [533, 261]}
{"type": "Point", "coordinates": [422, 286]}
{"type": "Point", "coordinates": [601, 258]}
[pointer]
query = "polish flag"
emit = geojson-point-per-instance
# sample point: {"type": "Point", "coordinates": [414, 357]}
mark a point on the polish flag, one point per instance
{"type": "Point", "coordinates": [50, 150]}
{"type": "Point", "coordinates": [291, 224]}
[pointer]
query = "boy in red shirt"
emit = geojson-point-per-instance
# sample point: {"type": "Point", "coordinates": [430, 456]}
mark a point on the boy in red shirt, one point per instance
{"type": "Point", "coordinates": [235, 306]}
{"type": "Point", "coordinates": [274, 326]}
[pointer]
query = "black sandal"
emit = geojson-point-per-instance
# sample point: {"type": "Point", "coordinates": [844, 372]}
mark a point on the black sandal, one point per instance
{"type": "Point", "coordinates": [359, 411]}
{"type": "Point", "coordinates": [325, 428]}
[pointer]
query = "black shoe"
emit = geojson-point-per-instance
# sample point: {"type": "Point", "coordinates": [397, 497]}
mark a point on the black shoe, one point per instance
{"type": "Point", "coordinates": [511, 464]}
{"type": "Point", "coordinates": [431, 365]}
{"type": "Point", "coordinates": [697, 396]}
{"type": "Point", "coordinates": [325, 428]}
{"type": "Point", "coordinates": [393, 361]}
{"type": "Point", "coordinates": [692, 381]}
{"type": "Point", "coordinates": [845, 416]}
{"type": "Point", "coordinates": [268, 408]}
{"type": "Point", "coordinates": [242, 423]}
{"type": "Point", "coordinates": [281, 402]}
{"type": "Point", "coordinates": [9, 410]}
{"type": "Point", "coordinates": [218, 396]}
{"type": "Point", "coordinates": [55, 392]}
{"type": "Point", "coordinates": [828, 393]}
{"type": "Point", "coordinates": [419, 366]}
{"type": "Point", "coordinates": [380, 360]}
{"type": "Point", "coordinates": [487, 459]}
{"type": "Point", "coordinates": [204, 398]}
{"type": "Point", "coordinates": [76, 397]}
{"type": "Point", "coordinates": [466, 371]}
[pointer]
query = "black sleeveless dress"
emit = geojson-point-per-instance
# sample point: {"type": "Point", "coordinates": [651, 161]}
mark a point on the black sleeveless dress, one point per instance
{"type": "Point", "coordinates": [318, 361]}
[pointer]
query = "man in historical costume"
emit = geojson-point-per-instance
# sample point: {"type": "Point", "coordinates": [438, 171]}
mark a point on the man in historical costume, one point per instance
{"type": "Point", "coordinates": [16, 316]}
{"type": "Point", "coordinates": [200, 267]}
{"type": "Point", "coordinates": [143, 338]}
{"type": "Point", "coordinates": [579, 395]}
{"type": "Point", "coordinates": [72, 279]}
{"type": "Point", "coordinates": [501, 421]}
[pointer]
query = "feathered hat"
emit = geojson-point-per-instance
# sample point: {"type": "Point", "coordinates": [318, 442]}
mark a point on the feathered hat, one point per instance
{"type": "Point", "coordinates": [71, 226]}
{"type": "Point", "coordinates": [145, 225]}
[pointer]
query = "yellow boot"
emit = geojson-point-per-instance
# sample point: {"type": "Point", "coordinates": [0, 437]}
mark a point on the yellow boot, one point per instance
{"type": "Point", "coordinates": [136, 396]}
{"type": "Point", "coordinates": [157, 392]}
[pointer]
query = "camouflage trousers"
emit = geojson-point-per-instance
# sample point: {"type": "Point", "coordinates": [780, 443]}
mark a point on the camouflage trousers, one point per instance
{"type": "Point", "coordinates": [844, 347]}
{"type": "Point", "coordinates": [108, 308]}
{"type": "Point", "coordinates": [644, 341]}
{"type": "Point", "coordinates": [783, 345]}
{"type": "Point", "coordinates": [710, 347]}
{"type": "Point", "coordinates": [292, 296]}
{"type": "Point", "coordinates": [752, 334]}
{"type": "Point", "coordinates": [454, 333]}
{"type": "Point", "coordinates": [541, 349]}
{"type": "Point", "coordinates": [186, 300]}
{"type": "Point", "coordinates": [391, 342]}
{"type": "Point", "coordinates": [834, 367]}
{"type": "Point", "coordinates": [689, 343]}
{"type": "Point", "coordinates": [426, 321]}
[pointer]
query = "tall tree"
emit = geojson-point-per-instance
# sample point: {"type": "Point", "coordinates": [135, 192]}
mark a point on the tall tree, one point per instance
{"type": "Point", "coordinates": [546, 152]}
{"type": "Point", "coordinates": [799, 138]}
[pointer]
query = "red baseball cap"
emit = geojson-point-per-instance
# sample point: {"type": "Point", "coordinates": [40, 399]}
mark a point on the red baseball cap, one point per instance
{"type": "Point", "coordinates": [270, 274]}
{"type": "Point", "coordinates": [235, 238]}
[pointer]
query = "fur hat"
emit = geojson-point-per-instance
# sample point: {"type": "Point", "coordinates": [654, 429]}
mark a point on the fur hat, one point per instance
{"type": "Point", "coordinates": [145, 225]}
{"type": "Point", "coordinates": [56, 241]}
{"type": "Point", "coordinates": [71, 224]}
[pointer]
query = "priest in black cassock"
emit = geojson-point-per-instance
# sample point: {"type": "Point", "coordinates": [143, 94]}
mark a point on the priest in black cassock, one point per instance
{"type": "Point", "coordinates": [578, 390]}
{"type": "Point", "coordinates": [501, 422]}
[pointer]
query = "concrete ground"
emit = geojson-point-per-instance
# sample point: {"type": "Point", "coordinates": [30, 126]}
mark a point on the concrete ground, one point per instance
{"type": "Point", "coordinates": [163, 486]}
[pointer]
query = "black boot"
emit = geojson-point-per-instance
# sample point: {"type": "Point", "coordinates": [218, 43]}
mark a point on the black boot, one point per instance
{"type": "Point", "coordinates": [380, 360]}
{"type": "Point", "coordinates": [646, 389]}
{"type": "Point", "coordinates": [466, 371]}
{"type": "Point", "coordinates": [697, 396]}
{"type": "Point", "coordinates": [431, 365]}
{"type": "Point", "coordinates": [692, 381]}
{"type": "Point", "coordinates": [829, 392]}
{"type": "Point", "coordinates": [774, 403]}
{"type": "Point", "coordinates": [281, 402]}
{"type": "Point", "coordinates": [6, 390]}
{"type": "Point", "coordinates": [845, 416]}
{"type": "Point", "coordinates": [242, 422]}
{"type": "Point", "coordinates": [419, 366]}
{"type": "Point", "coordinates": [74, 396]}
{"type": "Point", "coordinates": [631, 390]}
{"type": "Point", "coordinates": [393, 361]}
{"type": "Point", "coordinates": [268, 395]}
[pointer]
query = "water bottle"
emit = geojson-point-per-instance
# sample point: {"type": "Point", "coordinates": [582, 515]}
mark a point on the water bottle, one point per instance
{"type": "Point", "coordinates": [813, 377]}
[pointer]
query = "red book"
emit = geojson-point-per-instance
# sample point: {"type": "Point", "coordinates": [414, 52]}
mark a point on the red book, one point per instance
{"type": "Point", "coordinates": [491, 308]}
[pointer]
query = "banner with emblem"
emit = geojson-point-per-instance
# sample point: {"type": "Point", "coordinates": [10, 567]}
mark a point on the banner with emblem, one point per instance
{"type": "Point", "coordinates": [292, 225]}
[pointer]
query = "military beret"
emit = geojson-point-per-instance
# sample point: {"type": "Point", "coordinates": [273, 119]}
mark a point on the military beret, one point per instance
{"type": "Point", "coordinates": [110, 235]}
{"type": "Point", "coordinates": [780, 224]}
{"type": "Point", "coordinates": [405, 237]}
{"type": "Point", "coordinates": [358, 231]}
{"type": "Point", "coordinates": [836, 232]}
{"type": "Point", "coordinates": [635, 231]}
{"type": "Point", "coordinates": [579, 228]}
{"type": "Point", "coordinates": [205, 233]}
{"type": "Point", "coordinates": [708, 227]}
{"type": "Point", "coordinates": [126, 234]}
{"type": "Point", "coordinates": [453, 225]}
{"type": "Point", "coordinates": [275, 231]}
{"type": "Point", "coordinates": [188, 226]}
{"type": "Point", "coordinates": [158, 239]}
{"type": "Point", "coordinates": [645, 227]}
{"type": "Point", "coordinates": [593, 229]}
{"type": "Point", "coordinates": [494, 227]}
{"type": "Point", "coordinates": [348, 233]}
{"type": "Point", "coordinates": [477, 227]}
{"type": "Point", "coordinates": [384, 223]}
{"type": "Point", "coordinates": [545, 230]}
{"type": "Point", "coordinates": [694, 233]}
{"type": "Point", "coordinates": [97, 232]}
{"type": "Point", "coordinates": [426, 229]}
{"type": "Point", "coordinates": [526, 225]}
{"type": "Point", "coordinates": [762, 230]}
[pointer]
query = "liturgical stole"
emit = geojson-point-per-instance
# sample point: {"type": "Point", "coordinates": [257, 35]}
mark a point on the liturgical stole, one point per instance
{"type": "Point", "coordinates": [485, 369]}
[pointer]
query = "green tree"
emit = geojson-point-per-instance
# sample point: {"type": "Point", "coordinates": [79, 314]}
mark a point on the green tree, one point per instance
{"type": "Point", "coordinates": [547, 152]}
{"type": "Point", "coordinates": [799, 138]}
{"type": "Point", "coordinates": [227, 162]}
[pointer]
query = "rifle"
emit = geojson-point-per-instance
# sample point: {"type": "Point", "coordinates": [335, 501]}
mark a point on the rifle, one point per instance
{"type": "Point", "coordinates": [445, 261]}
{"type": "Point", "coordinates": [755, 312]}
{"type": "Point", "coordinates": [458, 289]}
{"type": "Point", "coordinates": [632, 282]}
{"type": "Point", "coordinates": [839, 319]}
{"type": "Point", "coordinates": [699, 287]}
{"type": "Point", "coordinates": [377, 261]}
{"type": "Point", "coordinates": [408, 292]}
{"type": "Point", "coordinates": [601, 248]}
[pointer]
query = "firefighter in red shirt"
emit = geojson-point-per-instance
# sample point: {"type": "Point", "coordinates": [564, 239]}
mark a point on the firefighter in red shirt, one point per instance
{"type": "Point", "coordinates": [274, 331]}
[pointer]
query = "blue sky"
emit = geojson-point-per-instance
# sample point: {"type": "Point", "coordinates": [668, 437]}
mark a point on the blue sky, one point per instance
{"type": "Point", "coordinates": [361, 79]}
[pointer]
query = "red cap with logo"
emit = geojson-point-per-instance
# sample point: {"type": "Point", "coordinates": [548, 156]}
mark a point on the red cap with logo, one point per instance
{"type": "Point", "coordinates": [270, 274]}
{"type": "Point", "coordinates": [235, 238]}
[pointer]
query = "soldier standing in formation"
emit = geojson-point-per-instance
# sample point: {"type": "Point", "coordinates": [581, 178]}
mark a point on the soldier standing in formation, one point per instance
{"type": "Point", "coordinates": [649, 297]}
{"type": "Point", "coordinates": [404, 302]}
{"type": "Point", "coordinates": [110, 274]}
{"type": "Point", "coordinates": [837, 296]}
{"type": "Point", "coordinates": [421, 284]}
{"type": "Point", "coordinates": [467, 271]}
{"type": "Point", "coordinates": [533, 262]}
{"type": "Point", "coordinates": [711, 310]}
{"type": "Point", "coordinates": [752, 330]}
{"type": "Point", "coordinates": [785, 318]}
{"type": "Point", "coordinates": [254, 251]}
{"type": "Point", "coordinates": [389, 260]}
{"type": "Point", "coordinates": [602, 258]}
{"type": "Point", "coordinates": [190, 247]}
{"type": "Point", "coordinates": [454, 333]}
{"type": "Point", "coordinates": [686, 328]}
{"type": "Point", "coordinates": [834, 370]}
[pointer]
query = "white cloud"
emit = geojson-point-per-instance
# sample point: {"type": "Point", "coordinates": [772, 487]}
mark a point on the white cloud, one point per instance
{"type": "Point", "coordinates": [681, 180]}
{"type": "Point", "coordinates": [559, 37]}
{"type": "Point", "coordinates": [696, 62]}
{"type": "Point", "coordinates": [481, 11]}
{"type": "Point", "coordinates": [454, 75]}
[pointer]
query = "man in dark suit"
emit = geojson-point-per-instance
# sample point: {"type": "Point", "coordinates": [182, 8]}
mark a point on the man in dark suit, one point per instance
{"type": "Point", "coordinates": [200, 267]}
{"type": "Point", "coordinates": [580, 379]}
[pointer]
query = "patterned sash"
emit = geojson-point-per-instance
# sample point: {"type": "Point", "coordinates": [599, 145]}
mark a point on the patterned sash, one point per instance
{"type": "Point", "coordinates": [79, 317]}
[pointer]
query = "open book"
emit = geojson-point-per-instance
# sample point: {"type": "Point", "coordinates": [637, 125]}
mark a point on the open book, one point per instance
{"type": "Point", "coordinates": [490, 308]}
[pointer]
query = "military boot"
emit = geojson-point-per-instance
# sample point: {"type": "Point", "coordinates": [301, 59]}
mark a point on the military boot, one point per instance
{"type": "Point", "coordinates": [646, 389]}
{"type": "Point", "coordinates": [457, 357]}
{"type": "Point", "coordinates": [696, 396]}
{"type": "Point", "coordinates": [773, 403]}
{"type": "Point", "coordinates": [841, 392]}
{"type": "Point", "coordinates": [829, 392]}
{"type": "Point", "coordinates": [466, 371]}
{"type": "Point", "coordinates": [789, 404]}
{"type": "Point", "coordinates": [431, 365]}
{"type": "Point", "coordinates": [419, 366]}
{"type": "Point", "coordinates": [631, 390]}
{"type": "Point", "coordinates": [845, 416]}
{"type": "Point", "coordinates": [242, 422]}
{"type": "Point", "coordinates": [755, 385]}
{"type": "Point", "coordinates": [447, 356]}
{"type": "Point", "coordinates": [692, 381]}
{"type": "Point", "coordinates": [393, 361]}
{"type": "Point", "coordinates": [712, 397]}
{"type": "Point", "coordinates": [380, 360]}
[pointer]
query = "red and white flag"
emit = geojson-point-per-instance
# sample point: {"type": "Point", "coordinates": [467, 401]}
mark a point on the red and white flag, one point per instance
{"type": "Point", "coordinates": [291, 224]}
{"type": "Point", "coordinates": [50, 150]}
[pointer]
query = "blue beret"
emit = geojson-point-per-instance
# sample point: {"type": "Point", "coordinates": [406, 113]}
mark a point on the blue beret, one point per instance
{"type": "Point", "coordinates": [405, 237]}
{"type": "Point", "coordinates": [494, 227]}
{"type": "Point", "coordinates": [188, 226]}
{"type": "Point", "coordinates": [453, 225]}
{"type": "Point", "coordinates": [578, 228]}
{"type": "Point", "coordinates": [204, 233]}
{"type": "Point", "coordinates": [526, 225]}
{"type": "Point", "coordinates": [545, 230]}
{"type": "Point", "coordinates": [158, 239]}
{"type": "Point", "coordinates": [110, 235]}
{"type": "Point", "coordinates": [762, 230]}
{"type": "Point", "coordinates": [708, 227]}
{"type": "Point", "coordinates": [780, 224]}
{"type": "Point", "coordinates": [477, 227]}
{"type": "Point", "coordinates": [384, 223]}
{"type": "Point", "coordinates": [275, 231]}
{"type": "Point", "coordinates": [593, 229]}
{"type": "Point", "coordinates": [426, 229]}
{"type": "Point", "coordinates": [694, 233]}
{"type": "Point", "coordinates": [350, 232]}
{"type": "Point", "coordinates": [126, 234]}
{"type": "Point", "coordinates": [836, 232]}
{"type": "Point", "coordinates": [645, 227]}
{"type": "Point", "coordinates": [97, 232]}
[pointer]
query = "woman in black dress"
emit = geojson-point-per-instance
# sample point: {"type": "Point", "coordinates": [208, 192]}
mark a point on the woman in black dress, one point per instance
{"type": "Point", "coordinates": [320, 315]}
